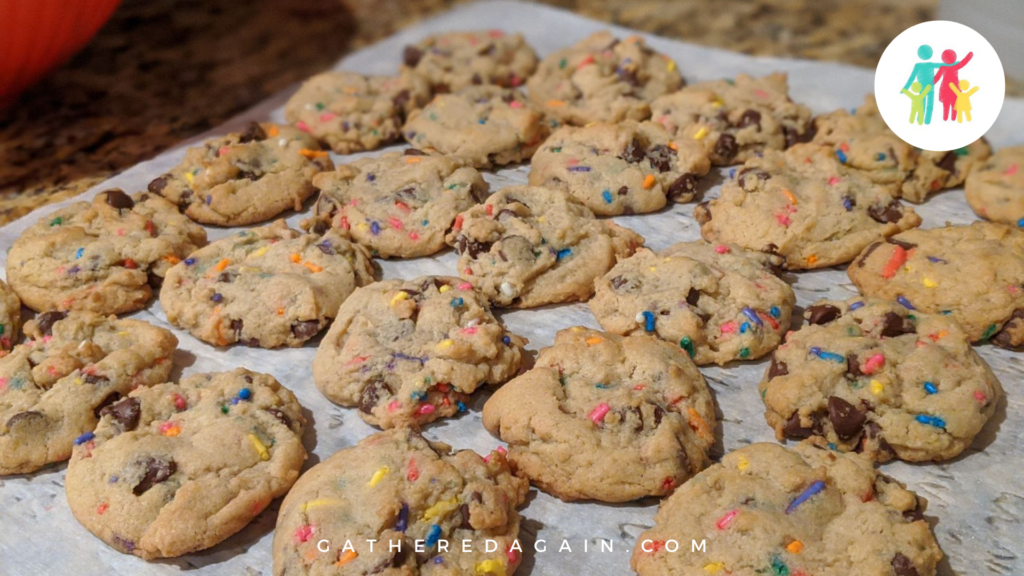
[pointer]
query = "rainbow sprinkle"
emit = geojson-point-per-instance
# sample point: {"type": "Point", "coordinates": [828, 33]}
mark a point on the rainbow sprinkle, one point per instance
{"type": "Point", "coordinates": [806, 495]}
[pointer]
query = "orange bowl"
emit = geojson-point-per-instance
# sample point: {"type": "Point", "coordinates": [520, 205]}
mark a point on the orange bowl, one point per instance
{"type": "Point", "coordinates": [37, 35]}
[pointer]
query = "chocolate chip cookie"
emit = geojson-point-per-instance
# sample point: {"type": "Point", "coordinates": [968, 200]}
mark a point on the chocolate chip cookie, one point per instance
{"type": "Point", "coordinates": [602, 79]}
{"type": "Point", "coordinates": [410, 352]}
{"type": "Point", "coordinates": [626, 168]}
{"type": "Point", "coordinates": [606, 417]}
{"type": "Point", "coordinates": [872, 376]}
{"type": "Point", "coordinates": [771, 510]}
{"type": "Point", "coordinates": [352, 112]}
{"type": "Point", "coordinates": [427, 509]}
{"type": "Point", "coordinates": [10, 317]}
{"type": "Point", "coordinates": [805, 205]}
{"type": "Point", "coordinates": [973, 273]}
{"type": "Point", "coordinates": [269, 287]}
{"type": "Point", "coordinates": [103, 256]}
{"type": "Point", "coordinates": [177, 468]}
{"type": "Point", "coordinates": [995, 190]}
{"type": "Point", "coordinates": [454, 60]}
{"type": "Point", "coordinates": [397, 204]}
{"type": "Point", "coordinates": [54, 386]}
{"type": "Point", "coordinates": [245, 177]}
{"type": "Point", "coordinates": [735, 119]}
{"type": "Point", "coordinates": [486, 125]}
{"type": "Point", "coordinates": [527, 246]}
{"type": "Point", "coordinates": [718, 302]}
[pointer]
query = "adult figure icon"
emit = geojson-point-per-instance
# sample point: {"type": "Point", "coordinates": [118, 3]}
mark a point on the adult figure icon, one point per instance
{"type": "Point", "coordinates": [948, 74]}
{"type": "Point", "coordinates": [924, 72]}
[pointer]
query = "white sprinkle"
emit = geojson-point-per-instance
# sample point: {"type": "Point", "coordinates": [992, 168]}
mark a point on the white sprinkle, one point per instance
{"type": "Point", "coordinates": [507, 290]}
{"type": "Point", "coordinates": [640, 318]}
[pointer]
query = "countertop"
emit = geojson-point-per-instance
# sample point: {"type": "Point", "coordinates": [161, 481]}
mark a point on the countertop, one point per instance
{"type": "Point", "coordinates": [162, 71]}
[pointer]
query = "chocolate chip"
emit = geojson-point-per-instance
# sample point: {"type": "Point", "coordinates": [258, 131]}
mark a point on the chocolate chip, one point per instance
{"type": "Point", "coordinates": [894, 325]}
{"type": "Point", "coordinates": [413, 152]}
{"type": "Point", "coordinates": [628, 76]}
{"type": "Point", "coordinates": [794, 429]}
{"type": "Point", "coordinates": [634, 152]}
{"type": "Point", "coordinates": [372, 394]}
{"type": "Point", "coordinates": [796, 137]}
{"type": "Point", "coordinates": [853, 366]}
{"type": "Point", "coordinates": [661, 157]}
{"type": "Point", "coordinates": [822, 314]}
{"type": "Point", "coordinates": [110, 399]}
{"type": "Point", "coordinates": [693, 296]}
{"type": "Point", "coordinates": [618, 282]}
{"type": "Point", "coordinates": [464, 512]}
{"type": "Point", "coordinates": [623, 191]}
{"type": "Point", "coordinates": [281, 416]}
{"type": "Point", "coordinates": [888, 214]}
{"type": "Point", "coordinates": [659, 413]}
{"type": "Point", "coordinates": [126, 412]}
{"type": "Point", "coordinates": [158, 184]}
{"type": "Point", "coordinates": [903, 566]}
{"type": "Point", "coordinates": [401, 99]}
{"type": "Point", "coordinates": [726, 147]}
{"type": "Point", "coordinates": [46, 320]}
{"type": "Point", "coordinates": [901, 243]}
{"type": "Point", "coordinates": [948, 162]}
{"type": "Point", "coordinates": [777, 368]}
{"type": "Point", "coordinates": [94, 379]}
{"type": "Point", "coordinates": [411, 56]}
{"type": "Point", "coordinates": [464, 244]}
{"type": "Point", "coordinates": [305, 329]}
{"type": "Point", "coordinates": [226, 277]}
{"type": "Point", "coordinates": [26, 420]}
{"type": "Point", "coordinates": [702, 213]}
{"type": "Point", "coordinates": [682, 188]}
{"type": "Point", "coordinates": [252, 132]}
{"type": "Point", "coordinates": [154, 280]}
{"type": "Point", "coordinates": [913, 515]}
{"type": "Point", "coordinates": [847, 421]}
{"type": "Point", "coordinates": [867, 252]}
{"type": "Point", "coordinates": [236, 327]}
{"type": "Point", "coordinates": [119, 199]}
{"type": "Point", "coordinates": [157, 470]}
{"type": "Point", "coordinates": [1004, 338]}
{"type": "Point", "coordinates": [750, 118]}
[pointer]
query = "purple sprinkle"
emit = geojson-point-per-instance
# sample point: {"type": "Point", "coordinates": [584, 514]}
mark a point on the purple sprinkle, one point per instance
{"type": "Point", "coordinates": [113, 479]}
{"type": "Point", "coordinates": [403, 518]}
{"type": "Point", "coordinates": [856, 305]}
{"type": "Point", "coordinates": [579, 168]}
{"type": "Point", "coordinates": [732, 173]}
{"type": "Point", "coordinates": [74, 270]}
{"type": "Point", "coordinates": [847, 203]}
{"type": "Point", "coordinates": [375, 228]}
{"type": "Point", "coordinates": [806, 495]}
{"type": "Point", "coordinates": [345, 126]}
{"type": "Point", "coordinates": [438, 560]}
{"type": "Point", "coordinates": [401, 356]}
{"type": "Point", "coordinates": [749, 313]}
{"type": "Point", "coordinates": [370, 177]}
{"type": "Point", "coordinates": [815, 350]}
{"type": "Point", "coordinates": [905, 303]}
{"type": "Point", "coordinates": [209, 199]}
{"type": "Point", "coordinates": [128, 545]}
{"type": "Point", "coordinates": [938, 260]}
{"type": "Point", "coordinates": [216, 297]}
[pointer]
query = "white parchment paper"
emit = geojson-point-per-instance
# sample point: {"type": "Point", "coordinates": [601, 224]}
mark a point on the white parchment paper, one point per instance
{"type": "Point", "coordinates": [976, 501]}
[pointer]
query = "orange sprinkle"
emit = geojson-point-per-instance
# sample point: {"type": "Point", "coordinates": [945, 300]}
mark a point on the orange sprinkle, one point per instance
{"type": "Point", "coordinates": [273, 131]}
{"type": "Point", "coordinates": [222, 265]}
{"type": "Point", "coordinates": [313, 267]}
{"type": "Point", "coordinates": [812, 259]}
{"type": "Point", "coordinates": [789, 196]}
{"type": "Point", "coordinates": [648, 181]}
{"type": "Point", "coordinates": [899, 258]}
{"type": "Point", "coordinates": [594, 340]}
{"type": "Point", "coordinates": [673, 146]}
{"type": "Point", "coordinates": [172, 259]}
{"type": "Point", "coordinates": [312, 153]}
{"type": "Point", "coordinates": [556, 103]}
{"type": "Point", "coordinates": [795, 547]}
{"type": "Point", "coordinates": [698, 423]}
{"type": "Point", "coordinates": [296, 257]}
{"type": "Point", "coordinates": [412, 159]}
{"type": "Point", "coordinates": [280, 311]}
{"type": "Point", "coordinates": [347, 557]}
{"type": "Point", "coordinates": [102, 508]}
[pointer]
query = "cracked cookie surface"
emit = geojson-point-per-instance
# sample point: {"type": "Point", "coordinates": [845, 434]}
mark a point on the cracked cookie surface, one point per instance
{"type": "Point", "coordinates": [454, 60]}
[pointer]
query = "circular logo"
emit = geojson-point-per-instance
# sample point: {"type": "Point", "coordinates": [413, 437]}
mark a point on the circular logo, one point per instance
{"type": "Point", "coordinates": [939, 86]}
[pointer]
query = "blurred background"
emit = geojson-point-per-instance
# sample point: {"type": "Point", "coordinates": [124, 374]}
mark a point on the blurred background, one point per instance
{"type": "Point", "coordinates": [161, 71]}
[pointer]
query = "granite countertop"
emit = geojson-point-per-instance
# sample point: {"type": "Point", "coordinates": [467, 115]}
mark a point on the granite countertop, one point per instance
{"type": "Point", "coordinates": [162, 71]}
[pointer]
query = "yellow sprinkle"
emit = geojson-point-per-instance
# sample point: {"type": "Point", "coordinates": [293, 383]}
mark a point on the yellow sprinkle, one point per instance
{"type": "Point", "coordinates": [812, 259]}
{"type": "Point", "coordinates": [312, 153]}
{"type": "Point", "coordinates": [929, 283]}
{"type": "Point", "coordinates": [122, 333]}
{"type": "Point", "coordinates": [412, 159]}
{"type": "Point", "coordinates": [648, 181]}
{"type": "Point", "coordinates": [312, 267]}
{"type": "Point", "coordinates": [79, 381]}
{"type": "Point", "coordinates": [319, 502]}
{"type": "Point", "coordinates": [714, 567]}
{"type": "Point", "coordinates": [789, 196]}
{"type": "Point", "coordinates": [222, 265]}
{"type": "Point", "coordinates": [700, 133]}
{"type": "Point", "coordinates": [296, 257]}
{"type": "Point", "coordinates": [556, 103]}
{"type": "Point", "coordinates": [653, 268]}
{"type": "Point", "coordinates": [446, 343]}
{"type": "Point", "coordinates": [444, 289]}
{"type": "Point", "coordinates": [347, 557]}
{"type": "Point", "coordinates": [718, 103]}
{"type": "Point", "coordinates": [378, 476]}
{"type": "Point", "coordinates": [795, 547]}
{"type": "Point", "coordinates": [541, 219]}
{"type": "Point", "coordinates": [576, 329]}
{"type": "Point", "coordinates": [877, 387]}
{"type": "Point", "coordinates": [261, 251]}
{"type": "Point", "coordinates": [401, 295]}
{"type": "Point", "coordinates": [494, 567]}
{"type": "Point", "coordinates": [273, 131]}
{"type": "Point", "coordinates": [441, 508]}
{"type": "Point", "coordinates": [260, 448]}
{"type": "Point", "coordinates": [191, 179]}
{"type": "Point", "coordinates": [671, 65]}
{"type": "Point", "coordinates": [743, 464]}
{"type": "Point", "coordinates": [594, 340]}
{"type": "Point", "coordinates": [362, 226]}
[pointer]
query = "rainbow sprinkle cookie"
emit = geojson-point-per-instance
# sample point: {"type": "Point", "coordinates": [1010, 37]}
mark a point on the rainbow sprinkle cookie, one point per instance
{"type": "Point", "coordinates": [798, 512]}
{"type": "Point", "coordinates": [804, 205]}
{"type": "Point", "coordinates": [104, 256]}
{"type": "Point", "coordinates": [177, 468]}
{"type": "Point", "coordinates": [716, 302]}
{"type": "Point", "coordinates": [974, 273]}
{"type": "Point", "coordinates": [602, 79]}
{"type": "Point", "coordinates": [872, 376]}
{"type": "Point", "coordinates": [269, 287]}
{"type": "Point", "coordinates": [55, 385]}
{"type": "Point", "coordinates": [410, 352]}
{"type": "Point", "coordinates": [455, 60]}
{"type": "Point", "coordinates": [398, 205]}
{"type": "Point", "coordinates": [245, 177]}
{"type": "Point", "coordinates": [10, 317]}
{"type": "Point", "coordinates": [626, 168]}
{"type": "Point", "coordinates": [606, 417]}
{"type": "Point", "coordinates": [996, 189]}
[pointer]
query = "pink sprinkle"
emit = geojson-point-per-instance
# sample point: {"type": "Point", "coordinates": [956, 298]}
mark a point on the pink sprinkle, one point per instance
{"type": "Point", "coordinates": [471, 330]}
{"type": "Point", "coordinates": [724, 521]}
{"type": "Point", "coordinates": [179, 402]}
{"type": "Point", "coordinates": [302, 126]}
{"type": "Point", "coordinates": [465, 285]}
{"type": "Point", "coordinates": [489, 208]}
{"type": "Point", "coordinates": [515, 104]}
{"type": "Point", "coordinates": [303, 533]}
{"type": "Point", "coordinates": [357, 360]}
{"type": "Point", "coordinates": [874, 364]}
{"type": "Point", "coordinates": [3, 383]}
{"type": "Point", "coordinates": [515, 80]}
{"type": "Point", "coordinates": [414, 236]}
{"type": "Point", "coordinates": [980, 396]}
{"type": "Point", "coordinates": [425, 410]}
{"type": "Point", "coordinates": [327, 116]}
{"type": "Point", "coordinates": [495, 33]}
{"type": "Point", "coordinates": [783, 220]}
{"type": "Point", "coordinates": [395, 223]}
{"type": "Point", "coordinates": [760, 93]}
{"type": "Point", "coordinates": [467, 272]}
{"type": "Point", "coordinates": [722, 249]}
{"type": "Point", "coordinates": [402, 206]}
{"type": "Point", "coordinates": [728, 327]}
{"type": "Point", "coordinates": [501, 450]}
{"type": "Point", "coordinates": [1011, 170]}
{"type": "Point", "coordinates": [1013, 289]}
{"type": "Point", "coordinates": [393, 406]}
{"type": "Point", "coordinates": [222, 151]}
{"type": "Point", "coordinates": [833, 181]}
{"type": "Point", "coordinates": [599, 411]}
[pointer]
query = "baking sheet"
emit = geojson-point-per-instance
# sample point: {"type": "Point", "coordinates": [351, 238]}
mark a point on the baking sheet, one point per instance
{"type": "Point", "coordinates": [977, 499]}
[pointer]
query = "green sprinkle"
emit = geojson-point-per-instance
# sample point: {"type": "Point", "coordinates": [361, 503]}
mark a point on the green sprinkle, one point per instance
{"type": "Point", "coordinates": [744, 352]}
{"type": "Point", "coordinates": [989, 332]}
{"type": "Point", "coordinates": [687, 344]}
{"type": "Point", "coordinates": [962, 151]}
{"type": "Point", "coordinates": [1, 329]}
{"type": "Point", "coordinates": [556, 149]}
{"type": "Point", "coordinates": [563, 63]}
{"type": "Point", "coordinates": [778, 567]}
{"type": "Point", "coordinates": [764, 393]}
{"type": "Point", "coordinates": [319, 105]}
{"type": "Point", "coordinates": [56, 221]}
{"type": "Point", "coordinates": [224, 408]}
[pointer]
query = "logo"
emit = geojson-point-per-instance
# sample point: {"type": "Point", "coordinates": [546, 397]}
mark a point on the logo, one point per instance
{"type": "Point", "coordinates": [939, 86]}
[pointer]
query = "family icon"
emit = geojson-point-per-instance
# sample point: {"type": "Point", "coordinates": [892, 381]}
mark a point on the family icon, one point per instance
{"type": "Point", "coordinates": [954, 94]}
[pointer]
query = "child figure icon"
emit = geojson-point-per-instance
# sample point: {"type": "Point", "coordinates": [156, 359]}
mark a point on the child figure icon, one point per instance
{"type": "Point", "coordinates": [962, 106]}
{"type": "Point", "coordinates": [927, 74]}
{"type": "Point", "coordinates": [917, 96]}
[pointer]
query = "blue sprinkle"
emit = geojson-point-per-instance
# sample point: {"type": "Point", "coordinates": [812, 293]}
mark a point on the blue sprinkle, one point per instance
{"type": "Point", "coordinates": [190, 261]}
{"type": "Point", "coordinates": [209, 199]}
{"type": "Point", "coordinates": [1020, 222]}
{"type": "Point", "coordinates": [856, 305]}
{"type": "Point", "coordinates": [434, 535]}
{"type": "Point", "coordinates": [403, 519]}
{"type": "Point", "coordinates": [806, 495]}
{"type": "Point", "coordinates": [113, 479]}
{"type": "Point", "coordinates": [827, 355]}
{"type": "Point", "coordinates": [930, 388]}
{"type": "Point", "coordinates": [418, 396]}
{"type": "Point", "coordinates": [579, 168]}
{"type": "Point", "coordinates": [457, 302]}
{"type": "Point", "coordinates": [744, 327]}
{"type": "Point", "coordinates": [940, 260]}
{"type": "Point", "coordinates": [244, 394]}
{"type": "Point", "coordinates": [216, 297]}
{"type": "Point", "coordinates": [461, 405]}
{"type": "Point", "coordinates": [233, 401]}
{"type": "Point", "coordinates": [438, 560]}
{"type": "Point", "coordinates": [931, 420]}
{"type": "Point", "coordinates": [880, 156]}
{"type": "Point", "coordinates": [648, 320]}
{"type": "Point", "coordinates": [732, 173]}
{"type": "Point", "coordinates": [563, 253]}
{"type": "Point", "coordinates": [602, 386]}
{"type": "Point", "coordinates": [905, 303]}
{"type": "Point", "coordinates": [425, 222]}
{"type": "Point", "coordinates": [79, 252]}
{"type": "Point", "coordinates": [84, 438]}
{"type": "Point", "coordinates": [841, 156]}
{"type": "Point", "coordinates": [370, 177]}
{"type": "Point", "coordinates": [775, 312]}
{"type": "Point", "coordinates": [847, 203]}
{"type": "Point", "coordinates": [749, 313]}
{"type": "Point", "coordinates": [482, 121]}
{"type": "Point", "coordinates": [374, 228]}
{"type": "Point", "coordinates": [607, 196]}
{"type": "Point", "coordinates": [506, 340]}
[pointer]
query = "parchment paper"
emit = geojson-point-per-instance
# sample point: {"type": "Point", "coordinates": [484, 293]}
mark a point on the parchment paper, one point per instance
{"type": "Point", "coordinates": [977, 499]}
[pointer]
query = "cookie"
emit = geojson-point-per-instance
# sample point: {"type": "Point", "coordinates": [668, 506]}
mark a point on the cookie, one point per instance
{"type": "Point", "coordinates": [426, 509]}
{"type": "Point", "coordinates": [771, 510]}
{"type": "Point", "coordinates": [973, 273]}
{"type": "Point", "coordinates": [804, 205]}
{"type": "Point", "coordinates": [605, 417]}
{"type": "Point", "coordinates": [409, 352]}
{"type": "Point", "coordinates": [872, 376]}
{"type": "Point", "coordinates": [527, 246]}
{"type": "Point", "coordinates": [269, 287]}
{"type": "Point", "coordinates": [245, 177]}
{"type": "Point", "coordinates": [454, 60]}
{"type": "Point", "coordinates": [717, 302]}
{"type": "Point", "coordinates": [626, 168]}
{"type": "Point", "coordinates": [10, 317]}
{"type": "Point", "coordinates": [861, 140]}
{"type": "Point", "coordinates": [178, 468]}
{"type": "Point", "coordinates": [486, 125]}
{"type": "Point", "coordinates": [995, 190]}
{"type": "Point", "coordinates": [602, 79]}
{"type": "Point", "coordinates": [54, 386]}
{"type": "Point", "coordinates": [105, 256]}
{"type": "Point", "coordinates": [398, 205]}
{"type": "Point", "coordinates": [352, 112]}
{"type": "Point", "coordinates": [735, 119]}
